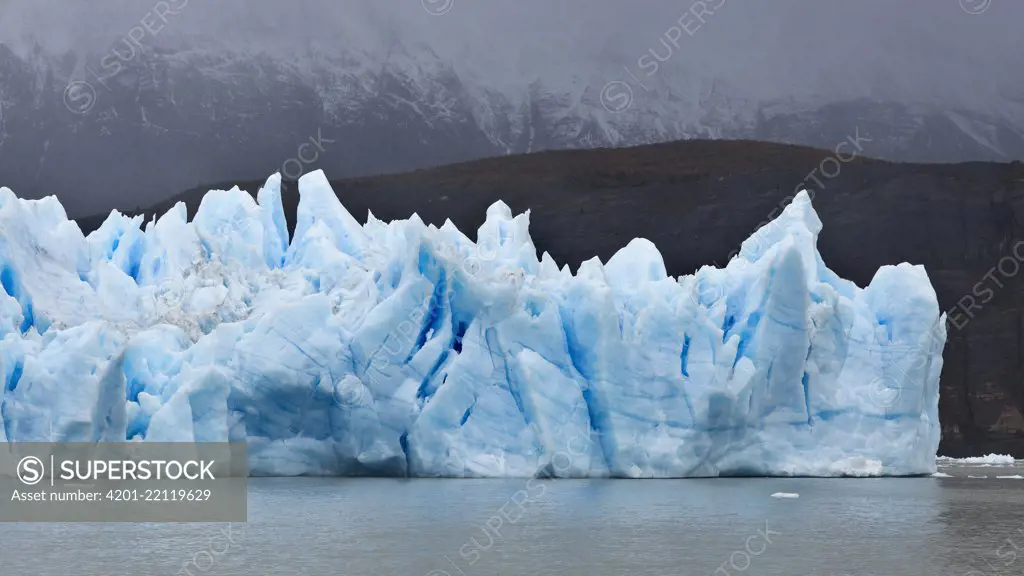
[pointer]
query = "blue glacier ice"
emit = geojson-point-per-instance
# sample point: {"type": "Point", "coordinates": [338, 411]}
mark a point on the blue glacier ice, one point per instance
{"type": "Point", "coordinates": [405, 349]}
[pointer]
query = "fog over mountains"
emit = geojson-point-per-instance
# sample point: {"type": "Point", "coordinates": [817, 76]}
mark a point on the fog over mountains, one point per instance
{"type": "Point", "coordinates": [118, 103]}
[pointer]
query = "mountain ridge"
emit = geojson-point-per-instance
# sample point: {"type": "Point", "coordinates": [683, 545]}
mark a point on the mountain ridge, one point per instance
{"type": "Point", "coordinates": [698, 200]}
{"type": "Point", "coordinates": [216, 93]}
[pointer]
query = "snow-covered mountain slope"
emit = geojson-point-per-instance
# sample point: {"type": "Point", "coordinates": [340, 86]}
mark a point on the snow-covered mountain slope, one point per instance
{"type": "Point", "coordinates": [104, 100]}
{"type": "Point", "coordinates": [406, 349]}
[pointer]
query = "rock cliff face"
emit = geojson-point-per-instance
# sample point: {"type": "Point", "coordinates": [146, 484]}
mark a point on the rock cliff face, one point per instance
{"type": "Point", "coordinates": [698, 200]}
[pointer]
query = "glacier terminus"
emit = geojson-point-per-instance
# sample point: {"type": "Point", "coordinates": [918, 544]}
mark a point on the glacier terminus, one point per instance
{"type": "Point", "coordinates": [404, 349]}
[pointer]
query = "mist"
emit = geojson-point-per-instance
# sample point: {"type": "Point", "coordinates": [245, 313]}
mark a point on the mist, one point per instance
{"type": "Point", "coordinates": [691, 69]}
{"type": "Point", "coordinates": [917, 50]}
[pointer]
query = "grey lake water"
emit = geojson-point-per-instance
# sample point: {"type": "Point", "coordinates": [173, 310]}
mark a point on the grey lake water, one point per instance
{"type": "Point", "coordinates": [957, 526]}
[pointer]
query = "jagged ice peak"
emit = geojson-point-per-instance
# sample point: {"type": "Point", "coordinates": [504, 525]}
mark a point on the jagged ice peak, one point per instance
{"type": "Point", "coordinates": [402, 348]}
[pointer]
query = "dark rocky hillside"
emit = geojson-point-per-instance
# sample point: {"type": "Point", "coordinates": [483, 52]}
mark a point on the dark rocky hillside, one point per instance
{"type": "Point", "coordinates": [698, 200]}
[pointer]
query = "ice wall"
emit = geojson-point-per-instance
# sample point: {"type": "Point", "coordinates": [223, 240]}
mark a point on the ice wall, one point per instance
{"type": "Point", "coordinates": [405, 349]}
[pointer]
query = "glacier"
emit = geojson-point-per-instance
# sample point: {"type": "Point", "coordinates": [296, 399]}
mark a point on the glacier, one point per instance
{"type": "Point", "coordinates": [405, 349]}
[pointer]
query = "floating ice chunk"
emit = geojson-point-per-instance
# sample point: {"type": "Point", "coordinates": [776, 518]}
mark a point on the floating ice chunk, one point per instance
{"type": "Point", "coordinates": [991, 460]}
{"type": "Point", "coordinates": [785, 495]}
{"type": "Point", "coordinates": [857, 467]}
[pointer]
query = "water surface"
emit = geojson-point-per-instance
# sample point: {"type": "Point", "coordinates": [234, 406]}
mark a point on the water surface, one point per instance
{"type": "Point", "coordinates": [955, 526]}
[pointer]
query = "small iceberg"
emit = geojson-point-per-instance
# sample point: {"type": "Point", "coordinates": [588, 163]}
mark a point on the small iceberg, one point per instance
{"type": "Point", "coordinates": [989, 460]}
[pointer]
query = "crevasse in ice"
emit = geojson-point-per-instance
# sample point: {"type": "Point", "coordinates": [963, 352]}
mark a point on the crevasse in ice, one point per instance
{"type": "Point", "coordinates": [405, 349]}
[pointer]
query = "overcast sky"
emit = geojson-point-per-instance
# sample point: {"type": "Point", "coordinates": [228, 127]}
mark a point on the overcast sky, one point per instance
{"type": "Point", "coordinates": [921, 50]}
